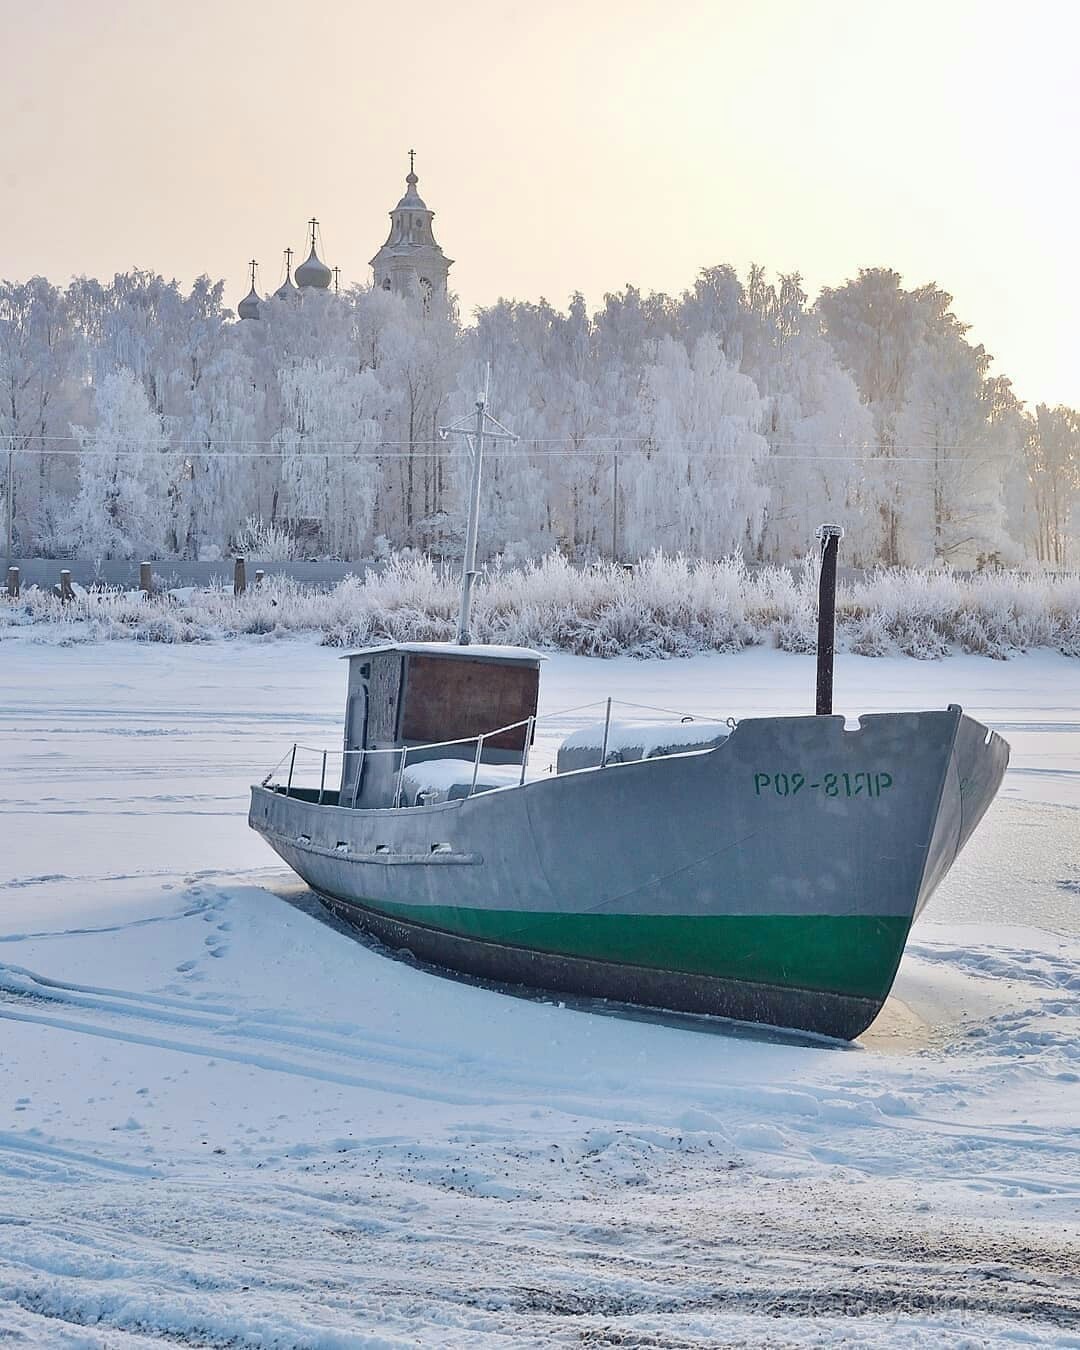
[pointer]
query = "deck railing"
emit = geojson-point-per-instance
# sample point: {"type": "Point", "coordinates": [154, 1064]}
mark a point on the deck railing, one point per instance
{"type": "Point", "coordinates": [402, 752]}
{"type": "Point", "coordinates": [323, 757]}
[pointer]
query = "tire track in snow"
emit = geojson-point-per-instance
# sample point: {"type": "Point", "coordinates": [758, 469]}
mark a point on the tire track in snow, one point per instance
{"type": "Point", "coordinates": [337, 1059]}
{"type": "Point", "coordinates": [37, 1147]}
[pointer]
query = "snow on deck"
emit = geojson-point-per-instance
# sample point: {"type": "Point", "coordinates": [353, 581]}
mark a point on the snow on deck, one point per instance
{"type": "Point", "coordinates": [224, 1122]}
{"type": "Point", "coordinates": [442, 777]}
{"type": "Point", "coordinates": [644, 737]}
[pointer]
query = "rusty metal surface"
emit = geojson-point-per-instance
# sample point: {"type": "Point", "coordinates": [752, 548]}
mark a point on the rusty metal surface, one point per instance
{"type": "Point", "coordinates": [447, 699]}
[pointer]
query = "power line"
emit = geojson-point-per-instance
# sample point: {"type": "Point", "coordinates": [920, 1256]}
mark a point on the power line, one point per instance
{"type": "Point", "coordinates": [578, 444]}
{"type": "Point", "coordinates": [321, 450]}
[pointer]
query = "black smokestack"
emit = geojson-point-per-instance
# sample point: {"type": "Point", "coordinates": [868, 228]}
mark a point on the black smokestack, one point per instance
{"type": "Point", "coordinates": [830, 536]}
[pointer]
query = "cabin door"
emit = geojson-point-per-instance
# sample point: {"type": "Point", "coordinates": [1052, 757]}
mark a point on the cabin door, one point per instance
{"type": "Point", "coordinates": [355, 741]}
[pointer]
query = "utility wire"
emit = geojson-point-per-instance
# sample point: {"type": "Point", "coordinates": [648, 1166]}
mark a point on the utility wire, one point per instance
{"type": "Point", "coordinates": [320, 450]}
{"type": "Point", "coordinates": [578, 445]}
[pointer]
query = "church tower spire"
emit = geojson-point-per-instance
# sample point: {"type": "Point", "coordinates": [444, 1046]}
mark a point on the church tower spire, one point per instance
{"type": "Point", "coordinates": [411, 263]}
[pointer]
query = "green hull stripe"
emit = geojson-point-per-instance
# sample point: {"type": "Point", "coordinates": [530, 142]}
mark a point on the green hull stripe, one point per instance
{"type": "Point", "coordinates": [844, 954]}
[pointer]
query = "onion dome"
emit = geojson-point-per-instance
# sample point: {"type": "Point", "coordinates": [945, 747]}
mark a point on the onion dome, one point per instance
{"type": "Point", "coordinates": [286, 290]}
{"type": "Point", "coordinates": [248, 308]}
{"type": "Point", "coordinates": [313, 271]}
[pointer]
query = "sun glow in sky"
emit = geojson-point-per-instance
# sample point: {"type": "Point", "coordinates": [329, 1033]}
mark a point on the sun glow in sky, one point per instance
{"type": "Point", "coordinates": [564, 146]}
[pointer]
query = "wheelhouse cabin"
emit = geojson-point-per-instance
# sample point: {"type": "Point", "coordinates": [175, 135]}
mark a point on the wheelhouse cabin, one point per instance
{"type": "Point", "coordinates": [437, 705]}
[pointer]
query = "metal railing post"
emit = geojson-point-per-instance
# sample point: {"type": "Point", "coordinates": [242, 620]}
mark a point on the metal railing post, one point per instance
{"type": "Point", "coordinates": [322, 778]}
{"type": "Point", "coordinates": [607, 729]}
{"type": "Point", "coordinates": [400, 777]}
{"type": "Point", "coordinates": [476, 763]}
{"type": "Point", "coordinates": [525, 752]}
{"type": "Point", "coordinates": [292, 765]}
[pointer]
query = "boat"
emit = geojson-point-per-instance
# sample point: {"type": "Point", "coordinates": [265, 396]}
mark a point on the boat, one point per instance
{"type": "Point", "coordinates": [766, 870]}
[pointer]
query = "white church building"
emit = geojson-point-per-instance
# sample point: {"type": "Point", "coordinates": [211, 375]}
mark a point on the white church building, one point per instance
{"type": "Point", "coordinates": [410, 263]}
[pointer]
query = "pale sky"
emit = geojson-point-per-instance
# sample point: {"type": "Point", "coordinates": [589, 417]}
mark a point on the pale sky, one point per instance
{"type": "Point", "coordinates": [563, 146]}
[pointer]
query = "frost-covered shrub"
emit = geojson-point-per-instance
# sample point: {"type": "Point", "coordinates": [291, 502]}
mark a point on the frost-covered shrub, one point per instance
{"type": "Point", "coordinates": [160, 628]}
{"type": "Point", "coordinates": [663, 606]}
{"type": "Point", "coordinates": [796, 633]}
{"type": "Point", "coordinates": [264, 542]}
{"type": "Point", "coordinates": [1069, 637]}
{"type": "Point", "coordinates": [978, 637]}
{"type": "Point", "coordinates": [868, 636]}
{"type": "Point", "coordinates": [919, 638]}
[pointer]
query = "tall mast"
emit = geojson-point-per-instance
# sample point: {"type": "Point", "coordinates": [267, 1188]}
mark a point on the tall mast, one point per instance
{"type": "Point", "coordinates": [476, 428]}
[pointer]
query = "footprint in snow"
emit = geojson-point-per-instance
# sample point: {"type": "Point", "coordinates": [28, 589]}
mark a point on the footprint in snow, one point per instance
{"type": "Point", "coordinates": [185, 966]}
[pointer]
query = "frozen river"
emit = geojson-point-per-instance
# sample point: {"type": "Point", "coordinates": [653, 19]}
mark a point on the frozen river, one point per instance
{"type": "Point", "coordinates": [223, 1123]}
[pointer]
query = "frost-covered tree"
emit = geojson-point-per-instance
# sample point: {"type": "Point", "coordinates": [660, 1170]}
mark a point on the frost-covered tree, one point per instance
{"type": "Point", "coordinates": [1054, 475]}
{"type": "Point", "coordinates": [954, 507]}
{"type": "Point", "coordinates": [698, 486]}
{"type": "Point", "coordinates": [39, 393]}
{"type": "Point", "coordinates": [820, 437]}
{"type": "Point", "coordinates": [123, 507]}
{"type": "Point", "coordinates": [418, 359]}
{"type": "Point", "coordinates": [328, 464]}
{"type": "Point", "coordinates": [548, 385]}
{"type": "Point", "coordinates": [735, 414]}
{"type": "Point", "coordinates": [936, 481]}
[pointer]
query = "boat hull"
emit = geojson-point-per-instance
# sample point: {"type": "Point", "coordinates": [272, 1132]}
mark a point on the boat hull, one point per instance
{"type": "Point", "coordinates": [773, 879]}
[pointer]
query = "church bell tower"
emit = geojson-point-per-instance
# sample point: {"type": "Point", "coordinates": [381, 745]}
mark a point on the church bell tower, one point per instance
{"type": "Point", "coordinates": [411, 263]}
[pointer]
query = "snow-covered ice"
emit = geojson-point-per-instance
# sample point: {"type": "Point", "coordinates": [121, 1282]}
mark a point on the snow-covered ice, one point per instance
{"type": "Point", "coordinates": [223, 1122]}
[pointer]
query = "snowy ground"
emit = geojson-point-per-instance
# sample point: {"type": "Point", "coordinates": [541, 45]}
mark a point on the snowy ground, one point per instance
{"type": "Point", "coordinates": [223, 1123]}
